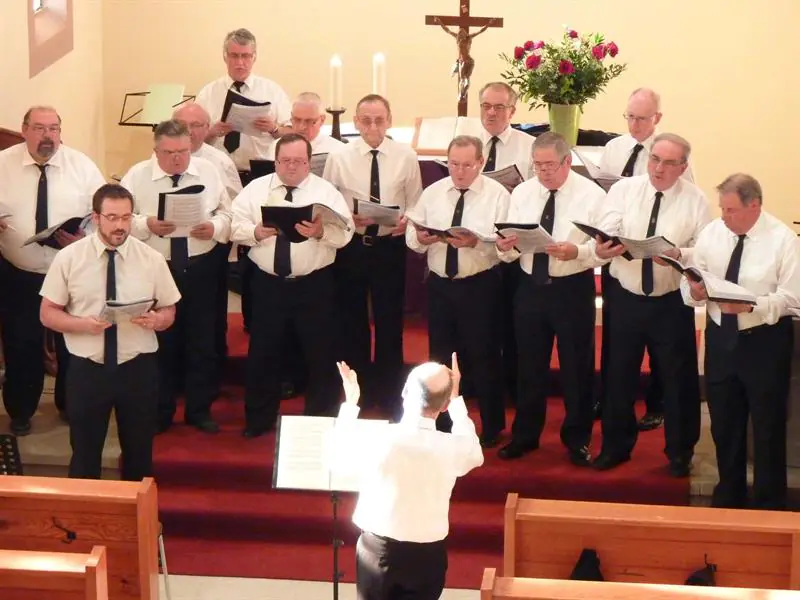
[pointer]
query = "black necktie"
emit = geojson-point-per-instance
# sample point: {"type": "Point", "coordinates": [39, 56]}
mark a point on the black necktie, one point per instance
{"type": "Point", "coordinates": [627, 170]}
{"type": "Point", "coordinates": [451, 259]}
{"type": "Point", "coordinates": [647, 263]}
{"type": "Point", "coordinates": [374, 190]}
{"type": "Point", "coordinates": [178, 246]}
{"type": "Point", "coordinates": [730, 323]}
{"type": "Point", "coordinates": [541, 261]}
{"type": "Point", "coordinates": [110, 349]}
{"type": "Point", "coordinates": [491, 159]}
{"type": "Point", "coordinates": [41, 200]}
{"type": "Point", "coordinates": [283, 247]}
{"type": "Point", "coordinates": [233, 138]}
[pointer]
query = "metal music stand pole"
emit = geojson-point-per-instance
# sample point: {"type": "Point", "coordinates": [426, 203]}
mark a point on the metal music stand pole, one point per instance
{"type": "Point", "coordinates": [337, 543]}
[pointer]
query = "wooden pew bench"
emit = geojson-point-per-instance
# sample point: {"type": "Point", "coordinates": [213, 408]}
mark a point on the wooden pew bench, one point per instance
{"type": "Point", "coordinates": [524, 588]}
{"type": "Point", "coordinates": [46, 514]}
{"type": "Point", "coordinates": [53, 575]}
{"type": "Point", "coordinates": [652, 544]}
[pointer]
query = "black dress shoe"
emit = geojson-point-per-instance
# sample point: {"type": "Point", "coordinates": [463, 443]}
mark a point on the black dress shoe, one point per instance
{"type": "Point", "coordinates": [604, 462]}
{"type": "Point", "coordinates": [515, 449]}
{"type": "Point", "coordinates": [680, 467]}
{"type": "Point", "coordinates": [580, 456]}
{"type": "Point", "coordinates": [597, 411]}
{"type": "Point", "coordinates": [490, 440]}
{"type": "Point", "coordinates": [206, 425]}
{"type": "Point", "coordinates": [650, 421]}
{"type": "Point", "coordinates": [20, 427]}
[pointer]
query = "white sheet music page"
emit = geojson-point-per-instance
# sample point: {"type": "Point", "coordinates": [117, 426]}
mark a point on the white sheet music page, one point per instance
{"type": "Point", "coordinates": [300, 456]}
{"type": "Point", "coordinates": [241, 118]}
{"type": "Point", "coordinates": [382, 215]}
{"type": "Point", "coordinates": [185, 211]}
{"type": "Point", "coordinates": [647, 248]}
{"type": "Point", "coordinates": [529, 241]}
{"type": "Point", "coordinates": [364, 435]}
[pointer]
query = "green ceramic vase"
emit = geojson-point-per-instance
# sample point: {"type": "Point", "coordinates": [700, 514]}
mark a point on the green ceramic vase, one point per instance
{"type": "Point", "coordinates": [564, 119]}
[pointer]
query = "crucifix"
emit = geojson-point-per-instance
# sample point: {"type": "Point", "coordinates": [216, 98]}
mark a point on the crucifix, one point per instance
{"type": "Point", "coordinates": [465, 64]}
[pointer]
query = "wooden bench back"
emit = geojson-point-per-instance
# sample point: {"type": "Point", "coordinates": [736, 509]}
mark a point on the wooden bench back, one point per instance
{"type": "Point", "coordinates": [47, 514]}
{"type": "Point", "coordinates": [53, 575]}
{"type": "Point", "coordinates": [523, 588]}
{"type": "Point", "coordinates": [9, 138]}
{"type": "Point", "coordinates": [652, 544]}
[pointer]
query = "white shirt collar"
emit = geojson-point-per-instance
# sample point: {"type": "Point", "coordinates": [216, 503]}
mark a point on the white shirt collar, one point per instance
{"type": "Point", "coordinates": [54, 160]}
{"type": "Point", "coordinates": [476, 186]}
{"type": "Point", "coordinates": [100, 247]}
{"type": "Point", "coordinates": [364, 148]}
{"type": "Point", "coordinates": [503, 136]}
{"type": "Point", "coordinates": [159, 173]}
{"type": "Point", "coordinates": [277, 183]}
{"type": "Point", "coordinates": [247, 82]}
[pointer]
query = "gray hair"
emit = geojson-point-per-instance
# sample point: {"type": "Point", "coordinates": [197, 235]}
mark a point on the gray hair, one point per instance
{"type": "Point", "coordinates": [745, 186]}
{"type": "Point", "coordinates": [653, 96]}
{"type": "Point", "coordinates": [464, 141]}
{"type": "Point", "coordinates": [243, 37]}
{"type": "Point", "coordinates": [675, 139]}
{"type": "Point", "coordinates": [27, 117]}
{"type": "Point", "coordinates": [551, 139]}
{"type": "Point", "coordinates": [500, 85]}
{"type": "Point", "coordinates": [310, 98]}
{"type": "Point", "coordinates": [170, 129]}
{"type": "Point", "coordinates": [375, 98]}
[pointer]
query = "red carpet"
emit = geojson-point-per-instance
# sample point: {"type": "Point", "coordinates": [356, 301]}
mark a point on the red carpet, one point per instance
{"type": "Point", "coordinates": [222, 518]}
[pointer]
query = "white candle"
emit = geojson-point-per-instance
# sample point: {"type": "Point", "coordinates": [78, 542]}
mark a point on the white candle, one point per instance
{"type": "Point", "coordinates": [336, 100]}
{"type": "Point", "coordinates": [379, 74]}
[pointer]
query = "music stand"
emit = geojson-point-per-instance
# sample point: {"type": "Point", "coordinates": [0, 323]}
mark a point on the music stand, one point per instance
{"type": "Point", "coordinates": [10, 463]}
{"type": "Point", "coordinates": [158, 105]}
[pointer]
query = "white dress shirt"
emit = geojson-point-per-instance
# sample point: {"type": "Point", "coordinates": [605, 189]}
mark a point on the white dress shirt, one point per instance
{"type": "Point", "coordinates": [72, 180]}
{"type": "Point", "coordinates": [579, 199]}
{"type": "Point", "coordinates": [617, 152]}
{"type": "Point", "coordinates": [146, 180]}
{"type": "Point", "coordinates": [225, 167]}
{"type": "Point", "coordinates": [322, 144]}
{"type": "Point", "coordinates": [306, 257]}
{"type": "Point", "coordinates": [485, 204]}
{"type": "Point", "coordinates": [513, 147]}
{"type": "Point", "coordinates": [682, 215]}
{"type": "Point", "coordinates": [350, 171]}
{"type": "Point", "coordinates": [769, 269]}
{"type": "Point", "coordinates": [212, 98]}
{"type": "Point", "coordinates": [408, 473]}
{"type": "Point", "coordinates": [77, 281]}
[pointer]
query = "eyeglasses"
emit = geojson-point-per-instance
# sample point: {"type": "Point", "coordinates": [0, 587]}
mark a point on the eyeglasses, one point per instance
{"type": "Point", "coordinates": [635, 119]}
{"type": "Point", "coordinates": [307, 122]}
{"type": "Point", "coordinates": [657, 160]}
{"type": "Point", "coordinates": [294, 162]}
{"type": "Point", "coordinates": [454, 166]}
{"type": "Point", "coordinates": [243, 56]}
{"type": "Point", "coordinates": [40, 129]}
{"type": "Point", "coordinates": [550, 165]}
{"type": "Point", "coordinates": [172, 153]}
{"type": "Point", "coordinates": [486, 107]}
{"type": "Point", "coordinates": [126, 218]}
{"type": "Point", "coordinates": [367, 123]}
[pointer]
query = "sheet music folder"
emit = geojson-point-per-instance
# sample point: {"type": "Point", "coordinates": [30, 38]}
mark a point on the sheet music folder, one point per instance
{"type": "Point", "coordinates": [303, 451]}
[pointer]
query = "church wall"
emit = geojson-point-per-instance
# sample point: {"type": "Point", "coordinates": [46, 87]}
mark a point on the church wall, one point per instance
{"type": "Point", "coordinates": [726, 70]}
{"type": "Point", "coordinates": [73, 84]}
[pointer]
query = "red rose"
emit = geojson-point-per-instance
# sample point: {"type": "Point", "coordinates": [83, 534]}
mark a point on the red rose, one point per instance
{"type": "Point", "coordinates": [538, 45]}
{"type": "Point", "coordinates": [528, 46]}
{"type": "Point", "coordinates": [519, 52]}
{"type": "Point", "coordinates": [533, 62]}
{"type": "Point", "coordinates": [599, 51]}
{"type": "Point", "coordinates": [566, 67]}
{"type": "Point", "coordinates": [573, 34]}
{"type": "Point", "coordinates": [612, 49]}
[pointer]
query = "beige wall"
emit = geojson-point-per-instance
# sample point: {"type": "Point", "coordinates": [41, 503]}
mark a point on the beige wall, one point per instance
{"type": "Point", "coordinates": [726, 70]}
{"type": "Point", "coordinates": [73, 84]}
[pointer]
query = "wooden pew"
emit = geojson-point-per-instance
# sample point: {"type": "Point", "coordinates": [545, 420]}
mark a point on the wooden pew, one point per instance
{"type": "Point", "coordinates": [53, 575]}
{"type": "Point", "coordinates": [652, 544]}
{"type": "Point", "coordinates": [524, 588]}
{"type": "Point", "coordinates": [9, 138]}
{"type": "Point", "coordinates": [74, 515]}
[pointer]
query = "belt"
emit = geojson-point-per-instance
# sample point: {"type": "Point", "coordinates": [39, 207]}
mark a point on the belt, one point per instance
{"type": "Point", "coordinates": [372, 240]}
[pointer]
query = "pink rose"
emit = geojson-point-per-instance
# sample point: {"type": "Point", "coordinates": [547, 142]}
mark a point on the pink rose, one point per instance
{"type": "Point", "coordinates": [573, 34]}
{"type": "Point", "coordinates": [612, 49]}
{"type": "Point", "coordinates": [538, 45]}
{"type": "Point", "coordinates": [599, 51]}
{"type": "Point", "coordinates": [566, 67]}
{"type": "Point", "coordinates": [519, 52]}
{"type": "Point", "coordinates": [533, 62]}
{"type": "Point", "coordinates": [528, 46]}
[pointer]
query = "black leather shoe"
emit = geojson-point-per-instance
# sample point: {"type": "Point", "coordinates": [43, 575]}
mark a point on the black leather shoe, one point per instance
{"type": "Point", "coordinates": [650, 421]}
{"type": "Point", "coordinates": [253, 432]}
{"type": "Point", "coordinates": [680, 467]}
{"type": "Point", "coordinates": [206, 425]}
{"type": "Point", "coordinates": [604, 462]}
{"type": "Point", "coordinates": [490, 440]}
{"type": "Point", "coordinates": [20, 427]}
{"type": "Point", "coordinates": [597, 411]}
{"type": "Point", "coordinates": [515, 449]}
{"type": "Point", "coordinates": [580, 456]}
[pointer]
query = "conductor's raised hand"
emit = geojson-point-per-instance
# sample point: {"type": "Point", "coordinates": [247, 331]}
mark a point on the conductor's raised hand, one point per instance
{"type": "Point", "coordinates": [352, 391]}
{"type": "Point", "coordinates": [609, 249]}
{"type": "Point", "coordinates": [456, 392]}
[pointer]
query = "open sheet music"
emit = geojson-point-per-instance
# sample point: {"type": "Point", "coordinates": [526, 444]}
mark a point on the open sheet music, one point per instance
{"type": "Point", "coordinates": [317, 164]}
{"type": "Point", "coordinates": [381, 214]}
{"type": "Point", "coordinates": [283, 216]}
{"type": "Point", "coordinates": [636, 249]}
{"type": "Point", "coordinates": [451, 231]}
{"type": "Point", "coordinates": [717, 289]}
{"type": "Point", "coordinates": [183, 207]}
{"type": "Point", "coordinates": [117, 312]}
{"type": "Point", "coordinates": [303, 452]}
{"type": "Point", "coordinates": [72, 226]}
{"type": "Point", "coordinates": [531, 237]}
{"type": "Point", "coordinates": [601, 178]}
{"type": "Point", "coordinates": [509, 178]}
{"type": "Point", "coordinates": [240, 112]}
{"type": "Point", "coordinates": [433, 135]}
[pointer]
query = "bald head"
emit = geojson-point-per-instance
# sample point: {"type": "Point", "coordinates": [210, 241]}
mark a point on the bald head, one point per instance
{"type": "Point", "coordinates": [308, 115]}
{"type": "Point", "coordinates": [643, 113]}
{"type": "Point", "coordinates": [196, 120]}
{"type": "Point", "coordinates": [428, 389]}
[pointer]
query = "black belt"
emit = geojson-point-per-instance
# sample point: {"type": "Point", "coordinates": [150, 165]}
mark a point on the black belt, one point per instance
{"type": "Point", "coordinates": [373, 240]}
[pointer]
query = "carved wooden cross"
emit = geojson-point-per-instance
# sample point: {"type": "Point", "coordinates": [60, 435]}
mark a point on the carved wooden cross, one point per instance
{"type": "Point", "coordinates": [465, 64]}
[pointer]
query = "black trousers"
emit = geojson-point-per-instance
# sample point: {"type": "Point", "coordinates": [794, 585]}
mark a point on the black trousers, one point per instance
{"type": "Point", "coordinates": [564, 309]}
{"type": "Point", "coordinates": [22, 335]}
{"type": "Point", "coordinates": [131, 390]}
{"type": "Point", "coordinates": [388, 569]}
{"type": "Point", "coordinates": [666, 326]}
{"type": "Point", "coordinates": [464, 315]}
{"type": "Point", "coordinates": [222, 252]}
{"type": "Point", "coordinates": [750, 380]}
{"type": "Point", "coordinates": [372, 270]}
{"type": "Point", "coordinates": [187, 352]}
{"type": "Point", "coordinates": [511, 275]}
{"type": "Point", "coordinates": [304, 305]}
{"type": "Point", "coordinates": [654, 394]}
